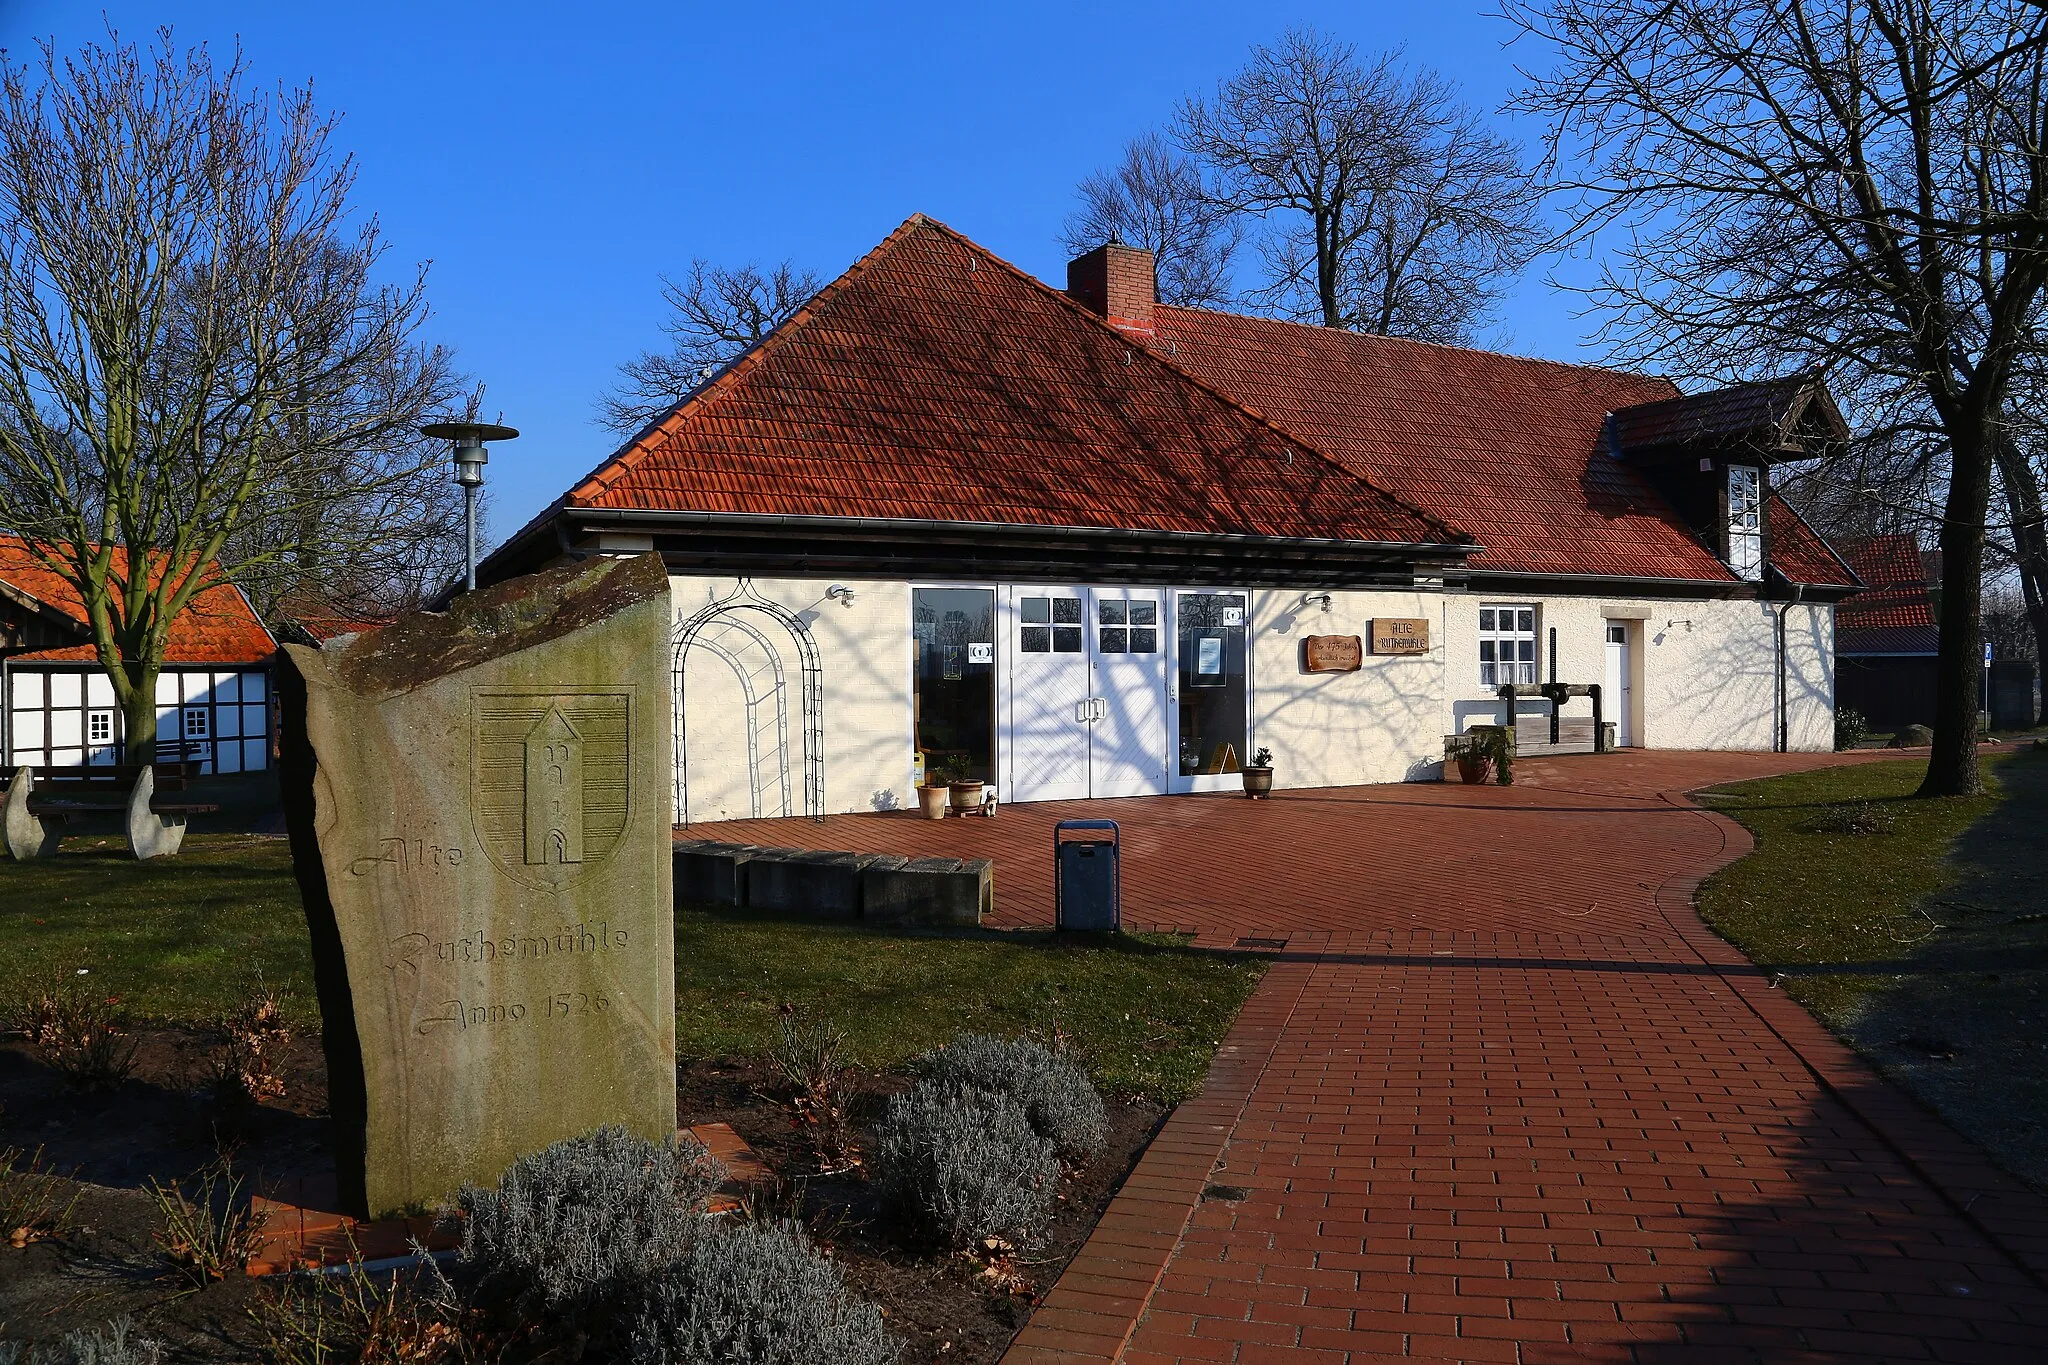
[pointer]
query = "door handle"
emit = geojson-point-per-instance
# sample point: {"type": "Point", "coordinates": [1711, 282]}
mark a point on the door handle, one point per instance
{"type": "Point", "coordinates": [1101, 709]}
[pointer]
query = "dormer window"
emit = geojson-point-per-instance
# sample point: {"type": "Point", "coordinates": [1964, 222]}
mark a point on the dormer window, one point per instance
{"type": "Point", "coordinates": [1745, 521]}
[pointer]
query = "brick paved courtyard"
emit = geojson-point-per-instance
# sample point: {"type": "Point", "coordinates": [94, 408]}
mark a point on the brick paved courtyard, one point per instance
{"type": "Point", "coordinates": [1503, 1098]}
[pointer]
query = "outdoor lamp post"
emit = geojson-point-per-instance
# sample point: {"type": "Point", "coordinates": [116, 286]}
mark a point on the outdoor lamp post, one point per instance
{"type": "Point", "coordinates": [468, 440]}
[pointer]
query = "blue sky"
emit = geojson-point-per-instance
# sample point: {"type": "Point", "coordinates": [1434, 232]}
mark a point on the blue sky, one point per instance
{"type": "Point", "coordinates": [551, 161]}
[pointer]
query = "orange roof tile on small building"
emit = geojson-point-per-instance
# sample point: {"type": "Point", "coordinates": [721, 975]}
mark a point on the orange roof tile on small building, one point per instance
{"type": "Point", "coordinates": [1895, 612]}
{"type": "Point", "coordinates": [934, 381]}
{"type": "Point", "coordinates": [217, 627]}
{"type": "Point", "coordinates": [1801, 554]}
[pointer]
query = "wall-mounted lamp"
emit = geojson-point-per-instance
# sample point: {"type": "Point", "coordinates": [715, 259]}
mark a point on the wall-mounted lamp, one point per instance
{"type": "Point", "coordinates": [1321, 599]}
{"type": "Point", "coordinates": [840, 593]}
{"type": "Point", "coordinates": [1672, 625]}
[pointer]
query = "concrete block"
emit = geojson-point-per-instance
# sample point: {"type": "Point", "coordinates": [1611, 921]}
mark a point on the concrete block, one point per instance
{"type": "Point", "coordinates": [931, 892]}
{"type": "Point", "coordinates": [710, 873]}
{"type": "Point", "coordinates": [801, 882]}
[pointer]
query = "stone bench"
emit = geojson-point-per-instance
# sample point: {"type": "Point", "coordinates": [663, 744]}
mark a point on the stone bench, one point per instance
{"type": "Point", "coordinates": [40, 800]}
{"type": "Point", "coordinates": [881, 888]}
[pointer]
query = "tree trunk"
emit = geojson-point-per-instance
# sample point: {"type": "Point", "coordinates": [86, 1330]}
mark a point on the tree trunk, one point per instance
{"type": "Point", "coordinates": [1959, 667]}
{"type": "Point", "coordinates": [138, 721]}
{"type": "Point", "coordinates": [2029, 541]}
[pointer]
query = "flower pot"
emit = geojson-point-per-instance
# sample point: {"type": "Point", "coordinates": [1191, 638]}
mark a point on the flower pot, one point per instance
{"type": "Point", "coordinates": [1257, 782]}
{"type": "Point", "coordinates": [1472, 769]}
{"type": "Point", "coordinates": [967, 795]}
{"type": "Point", "coordinates": [932, 801]}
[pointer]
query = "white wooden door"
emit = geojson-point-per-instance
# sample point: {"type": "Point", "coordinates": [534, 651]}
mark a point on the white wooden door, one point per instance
{"type": "Point", "coordinates": [1052, 702]}
{"type": "Point", "coordinates": [1127, 749]}
{"type": "Point", "coordinates": [1617, 698]}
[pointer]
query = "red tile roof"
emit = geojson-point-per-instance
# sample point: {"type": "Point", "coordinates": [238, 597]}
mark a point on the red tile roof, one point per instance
{"type": "Point", "coordinates": [1514, 450]}
{"type": "Point", "coordinates": [935, 381]}
{"type": "Point", "coordinates": [1769, 417]}
{"type": "Point", "coordinates": [217, 627]}
{"type": "Point", "coordinates": [1896, 595]}
{"type": "Point", "coordinates": [1799, 552]}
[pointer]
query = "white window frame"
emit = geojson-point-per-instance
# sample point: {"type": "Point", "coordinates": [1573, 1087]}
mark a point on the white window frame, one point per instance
{"type": "Point", "coordinates": [204, 714]}
{"type": "Point", "coordinates": [1746, 521]}
{"type": "Point", "coordinates": [1522, 663]}
{"type": "Point", "coordinates": [94, 720]}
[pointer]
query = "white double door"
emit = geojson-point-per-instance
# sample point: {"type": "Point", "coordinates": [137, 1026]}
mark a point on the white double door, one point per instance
{"type": "Point", "coordinates": [1087, 694]}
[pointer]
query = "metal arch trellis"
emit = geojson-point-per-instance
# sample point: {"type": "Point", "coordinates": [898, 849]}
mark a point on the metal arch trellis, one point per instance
{"type": "Point", "coordinates": [727, 609]}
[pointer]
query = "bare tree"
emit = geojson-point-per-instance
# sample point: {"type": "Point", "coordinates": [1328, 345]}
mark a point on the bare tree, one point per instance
{"type": "Point", "coordinates": [1392, 207]}
{"type": "Point", "coordinates": [717, 313]}
{"type": "Point", "coordinates": [191, 341]}
{"type": "Point", "coordinates": [1154, 198]}
{"type": "Point", "coordinates": [1850, 184]}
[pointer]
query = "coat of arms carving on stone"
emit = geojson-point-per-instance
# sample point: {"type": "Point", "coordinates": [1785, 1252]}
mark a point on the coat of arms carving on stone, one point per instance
{"type": "Point", "coordinates": [549, 777]}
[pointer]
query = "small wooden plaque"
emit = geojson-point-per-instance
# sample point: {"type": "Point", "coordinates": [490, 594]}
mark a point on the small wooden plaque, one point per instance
{"type": "Point", "coordinates": [1400, 635]}
{"type": "Point", "coordinates": [1332, 654]}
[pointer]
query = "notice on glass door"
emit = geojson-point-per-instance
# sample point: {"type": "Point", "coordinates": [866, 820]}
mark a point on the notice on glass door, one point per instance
{"type": "Point", "coordinates": [1209, 656]}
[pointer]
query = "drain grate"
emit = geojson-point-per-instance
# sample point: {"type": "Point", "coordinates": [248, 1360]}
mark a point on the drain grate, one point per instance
{"type": "Point", "coordinates": [1262, 943]}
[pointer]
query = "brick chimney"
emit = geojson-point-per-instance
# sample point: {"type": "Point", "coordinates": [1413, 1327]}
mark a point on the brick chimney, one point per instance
{"type": "Point", "coordinates": [1116, 282]}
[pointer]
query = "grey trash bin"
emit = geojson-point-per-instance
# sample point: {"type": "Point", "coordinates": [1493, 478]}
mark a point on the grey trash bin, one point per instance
{"type": "Point", "coordinates": [1087, 884]}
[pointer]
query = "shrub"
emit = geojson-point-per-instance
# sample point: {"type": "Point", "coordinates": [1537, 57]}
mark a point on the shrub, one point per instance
{"type": "Point", "coordinates": [35, 1202]}
{"type": "Point", "coordinates": [114, 1344]}
{"type": "Point", "coordinates": [210, 1230]}
{"type": "Point", "coordinates": [811, 1058]}
{"type": "Point", "coordinates": [1054, 1092]}
{"type": "Point", "coordinates": [356, 1318]}
{"type": "Point", "coordinates": [591, 1220]}
{"type": "Point", "coordinates": [252, 1043]}
{"type": "Point", "coordinates": [757, 1292]}
{"type": "Point", "coordinates": [73, 1033]}
{"type": "Point", "coordinates": [963, 1164]}
{"type": "Point", "coordinates": [1851, 729]}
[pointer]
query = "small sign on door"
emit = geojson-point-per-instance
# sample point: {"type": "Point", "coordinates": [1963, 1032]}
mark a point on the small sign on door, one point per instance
{"type": "Point", "coordinates": [1233, 616]}
{"type": "Point", "coordinates": [981, 653]}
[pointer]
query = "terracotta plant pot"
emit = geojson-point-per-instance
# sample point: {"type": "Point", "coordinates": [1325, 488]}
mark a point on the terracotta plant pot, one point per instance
{"type": "Point", "coordinates": [932, 801]}
{"type": "Point", "coordinates": [1257, 782]}
{"type": "Point", "coordinates": [1472, 769]}
{"type": "Point", "coordinates": [967, 795]}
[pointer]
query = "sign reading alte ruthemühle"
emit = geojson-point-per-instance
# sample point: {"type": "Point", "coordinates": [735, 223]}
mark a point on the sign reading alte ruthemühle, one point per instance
{"type": "Point", "coordinates": [479, 815]}
{"type": "Point", "coordinates": [1400, 635]}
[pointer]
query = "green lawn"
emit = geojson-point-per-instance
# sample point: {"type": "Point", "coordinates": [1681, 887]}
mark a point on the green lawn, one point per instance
{"type": "Point", "coordinates": [1838, 913]}
{"type": "Point", "coordinates": [184, 940]}
{"type": "Point", "coordinates": [1145, 1011]}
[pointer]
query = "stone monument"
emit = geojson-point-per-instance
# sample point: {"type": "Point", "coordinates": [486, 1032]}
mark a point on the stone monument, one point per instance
{"type": "Point", "coordinates": [479, 805]}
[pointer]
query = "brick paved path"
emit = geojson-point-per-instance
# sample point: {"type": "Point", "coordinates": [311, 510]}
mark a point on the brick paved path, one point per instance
{"type": "Point", "coordinates": [1505, 1099]}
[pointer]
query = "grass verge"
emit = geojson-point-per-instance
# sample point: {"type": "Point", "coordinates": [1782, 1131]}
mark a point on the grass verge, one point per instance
{"type": "Point", "coordinates": [183, 940]}
{"type": "Point", "coordinates": [1835, 894]}
{"type": "Point", "coordinates": [1146, 1011]}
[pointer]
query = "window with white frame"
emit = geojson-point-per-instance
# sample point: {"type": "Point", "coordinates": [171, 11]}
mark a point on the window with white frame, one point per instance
{"type": "Point", "coordinates": [99, 727]}
{"type": "Point", "coordinates": [196, 722]}
{"type": "Point", "coordinates": [1507, 645]}
{"type": "Point", "coordinates": [1745, 521]}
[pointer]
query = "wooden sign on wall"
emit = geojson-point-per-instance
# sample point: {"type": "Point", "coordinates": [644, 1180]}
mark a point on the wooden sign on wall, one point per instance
{"type": "Point", "coordinates": [1400, 635]}
{"type": "Point", "coordinates": [1332, 653]}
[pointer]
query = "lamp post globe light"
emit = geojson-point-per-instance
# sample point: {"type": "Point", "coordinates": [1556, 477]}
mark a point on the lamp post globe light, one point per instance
{"type": "Point", "coordinates": [468, 439]}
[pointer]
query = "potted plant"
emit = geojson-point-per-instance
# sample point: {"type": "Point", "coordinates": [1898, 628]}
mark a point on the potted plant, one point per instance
{"type": "Point", "coordinates": [1258, 774]}
{"type": "Point", "coordinates": [1469, 756]}
{"type": "Point", "coordinates": [931, 796]}
{"type": "Point", "coordinates": [966, 790]}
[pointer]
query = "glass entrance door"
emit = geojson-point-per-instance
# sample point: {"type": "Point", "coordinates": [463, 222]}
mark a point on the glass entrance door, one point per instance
{"type": "Point", "coordinates": [1127, 746]}
{"type": "Point", "coordinates": [1211, 697]}
{"type": "Point", "coordinates": [953, 630]}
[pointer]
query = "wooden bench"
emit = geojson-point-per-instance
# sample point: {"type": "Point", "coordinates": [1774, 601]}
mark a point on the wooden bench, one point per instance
{"type": "Point", "coordinates": [146, 796]}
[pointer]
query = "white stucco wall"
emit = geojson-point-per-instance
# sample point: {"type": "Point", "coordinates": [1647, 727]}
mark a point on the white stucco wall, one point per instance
{"type": "Point", "coordinates": [1705, 678]}
{"type": "Point", "coordinates": [1383, 723]}
{"type": "Point", "coordinates": [1706, 671]}
{"type": "Point", "coordinates": [864, 650]}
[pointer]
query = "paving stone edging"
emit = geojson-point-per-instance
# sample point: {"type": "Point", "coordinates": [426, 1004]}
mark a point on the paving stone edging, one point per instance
{"type": "Point", "coordinates": [2007, 1213]}
{"type": "Point", "coordinates": [1090, 1313]}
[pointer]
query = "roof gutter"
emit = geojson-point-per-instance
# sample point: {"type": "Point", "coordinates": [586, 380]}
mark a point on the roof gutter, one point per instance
{"type": "Point", "coordinates": [924, 526]}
